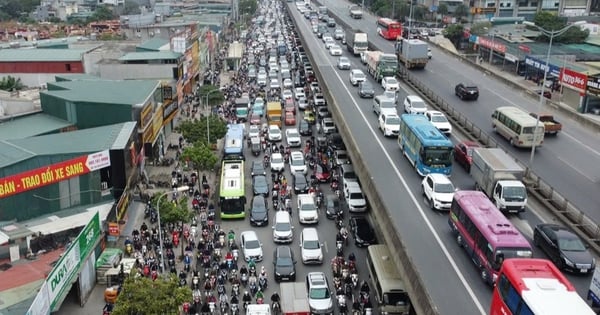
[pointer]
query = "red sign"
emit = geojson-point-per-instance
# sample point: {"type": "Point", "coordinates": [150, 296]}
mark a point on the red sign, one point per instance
{"type": "Point", "coordinates": [525, 48]}
{"type": "Point", "coordinates": [492, 44]}
{"type": "Point", "coordinates": [573, 79]}
{"type": "Point", "coordinates": [52, 174]}
{"type": "Point", "coordinates": [113, 229]}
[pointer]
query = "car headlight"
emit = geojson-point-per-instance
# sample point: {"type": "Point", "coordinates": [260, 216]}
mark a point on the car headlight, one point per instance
{"type": "Point", "coordinates": [568, 262]}
{"type": "Point", "coordinates": [277, 274]}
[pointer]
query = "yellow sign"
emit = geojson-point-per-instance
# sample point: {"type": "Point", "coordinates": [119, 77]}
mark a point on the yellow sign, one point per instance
{"type": "Point", "coordinates": [157, 123]}
{"type": "Point", "coordinates": [147, 135]}
{"type": "Point", "coordinates": [145, 115]}
{"type": "Point", "coordinates": [122, 205]}
{"type": "Point", "coordinates": [483, 10]}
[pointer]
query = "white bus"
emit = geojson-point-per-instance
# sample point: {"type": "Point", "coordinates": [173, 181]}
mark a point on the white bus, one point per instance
{"type": "Point", "coordinates": [388, 287]}
{"type": "Point", "coordinates": [518, 127]}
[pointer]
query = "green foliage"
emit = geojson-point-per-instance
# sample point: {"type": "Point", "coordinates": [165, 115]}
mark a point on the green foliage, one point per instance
{"type": "Point", "coordinates": [551, 22]}
{"type": "Point", "coordinates": [461, 11]}
{"type": "Point", "coordinates": [442, 9]}
{"type": "Point", "coordinates": [196, 132]}
{"type": "Point", "coordinates": [201, 156]}
{"type": "Point", "coordinates": [215, 96]}
{"type": "Point", "coordinates": [102, 13]}
{"type": "Point", "coordinates": [141, 295]}
{"type": "Point", "coordinates": [171, 212]}
{"type": "Point", "coordinates": [130, 8]}
{"type": "Point", "coordinates": [248, 7]}
{"type": "Point", "coordinates": [15, 9]}
{"type": "Point", "coordinates": [10, 83]}
{"type": "Point", "coordinates": [481, 28]}
{"type": "Point", "coordinates": [454, 33]}
{"type": "Point", "coordinates": [382, 7]}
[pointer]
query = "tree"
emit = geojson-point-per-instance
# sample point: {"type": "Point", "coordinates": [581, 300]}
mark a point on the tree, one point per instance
{"type": "Point", "coordinates": [442, 9]}
{"type": "Point", "coordinates": [461, 11]}
{"type": "Point", "coordinates": [10, 83]}
{"type": "Point", "coordinates": [102, 13]}
{"type": "Point", "coordinates": [171, 212]}
{"type": "Point", "coordinates": [481, 28]}
{"type": "Point", "coordinates": [141, 295]}
{"type": "Point", "coordinates": [454, 33]}
{"type": "Point", "coordinates": [201, 156]}
{"type": "Point", "coordinates": [215, 96]}
{"type": "Point", "coordinates": [196, 131]}
{"type": "Point", "coordinates": [248, 7]}
{"type": "Point", "coordinates": [551, 22]}
{"type": "Point", "coordinates": [131, 8]}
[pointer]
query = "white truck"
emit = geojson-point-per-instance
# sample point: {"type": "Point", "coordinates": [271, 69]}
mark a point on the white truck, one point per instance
{"type": "Point", "coordinates": [499, 176]}
{"type": "Point", "coordinates": [293, 298]}
{"type": "Point", "coordinates": [413, 53]}
{"type": "Point", "coordinates": [380, 64]}
{"type": "Point", "coordinates": [356, 41]}
{"type": "Point", "coordinates": [355, 12]}
{"type": "Point", "coordinates": [258, 309]}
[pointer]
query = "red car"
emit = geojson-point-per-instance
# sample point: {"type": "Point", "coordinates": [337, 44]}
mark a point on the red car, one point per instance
{"type": "Point", "coordinates": [289, 106]}
{"type": "Point", "coordinates": [290, 119]}
{"type": "Point", "coordinates": [463, 153]}
{"type": "Point", "coordinates": [322, 173]}
{"type": "Point", "coordinates": [255, 119]}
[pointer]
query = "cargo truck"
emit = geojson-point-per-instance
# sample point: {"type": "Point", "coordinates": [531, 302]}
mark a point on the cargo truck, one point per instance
{"type": "Point", "coordinates": [274, 114]}
{"type": "Point", "coordinates": [294, 300]}
{"type": "Point", "coordinates": [355, 12]}
{"type": "Point", "coordinates": [356, 41]}
{"type": "Point", "coordinates": [499, 176]}
{"type": "Point", "coordinates": [242, 107]}
{"type": "Point", "coordinates": [380, 64]}
{"type": "Point", "coordinates": [412, 53]}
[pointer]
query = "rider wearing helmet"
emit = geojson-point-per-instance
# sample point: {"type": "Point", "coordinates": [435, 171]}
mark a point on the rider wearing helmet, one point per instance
{"type": "Point", "coordinates": [275, 297]}
{"type": "Point", "coordinates": [259, 295]}
{"type": "Point", "coordinates": [247, 297]}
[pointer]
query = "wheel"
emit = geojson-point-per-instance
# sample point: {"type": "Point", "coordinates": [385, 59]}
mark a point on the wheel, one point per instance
{"type": "Point", "coordinates": [459, 240]}
{"type": "Point", "coordinates": [431, 204]}
{"type": "Point", "coordinates": [536, 239]}
{"type": "Point", "coordinates": [512, 142]}
{"type": "Point", "coordinates": [423, 190]}
{"type": "Point", "coordinates": [484, 275]}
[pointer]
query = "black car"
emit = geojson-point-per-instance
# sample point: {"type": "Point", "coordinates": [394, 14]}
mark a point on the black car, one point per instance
{"type": "Point", "coordinates": [259, 213]}
{"type": "Point", "coordinates": [260, 185]}
{"type": "Point", "coordinates": [466, 91]}
{"type": "Point", "coordinates": [258, 168]}
{"type": "Point", "coordinates": [305, 128]}
{"type": "Point", "coordinates": [365, 90]}
{"type": "Point", "coordinates": [300, 183]}
{"type": "Point", "coordinates": [335, 142]}
{"type": "Point", "coordinates": [566, 250]}
{"type": "Point", "coordinates": [284, 264]}
{"type": "Point", "coordinates": [332, 206]}
{"type": "Point", "coordinates": [363, 233]}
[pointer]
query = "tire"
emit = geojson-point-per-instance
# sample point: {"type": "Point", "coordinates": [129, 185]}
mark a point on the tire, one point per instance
{"type": "Point", "coordinates": [512, 142]}
{"type": "Point", "coordinates": [484, 275]}
{"type": "Point", "coordinates": [459, 240]}
{"type": "Point", "coordinates": [536, 239]}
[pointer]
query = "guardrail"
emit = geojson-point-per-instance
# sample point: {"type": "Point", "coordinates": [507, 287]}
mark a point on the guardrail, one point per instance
{"type": "Point", "coordinates": [420, 298]}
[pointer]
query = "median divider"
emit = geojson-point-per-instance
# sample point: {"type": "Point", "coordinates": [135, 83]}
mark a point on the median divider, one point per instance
{"type": "Point", "coordinates": [420, 298]}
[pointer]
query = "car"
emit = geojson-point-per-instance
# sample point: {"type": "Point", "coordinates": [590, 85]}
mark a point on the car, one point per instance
{"type": "Point", "coordinates": [304, 128]}
{"type": "Point", "coordinates": [259, 213]}
{"type": "Point", "coordinates": [284, 264]}
{"type": "Point", "coordinates": [297, 163]}
{"type": "Point", "coordinates": [340, 157]}
{"type": "Point", "coordinates": [273, 67]}
{"type": "Point", "coordinates": [438, 190]}
{"type": "Point", "coordinates": [274, 84]}
{"type": "Point", "coordinates": [389, 124]}
{"type": "Point", "coordinates": [355, 199]}
{"type": "Point", "coordinates": [314, 86]}
{"type": "Point", "coordinates": [332, 206]}
{"type": "Point", "coordinates": [335, 50]}
{"type": "Point", "coordinates": [283, 229]}
{"type": "Point", "coordinates": [258, 106]}
{"type": "Point", "coordinates": [322, 172]}
{"type": "Point", "coordinates": [365, 90]}
{"type": "Point", "coordinates": [414, 105]}
{"type": "Point", "coordinates": [328, 126]}
{"type": "Point", "coordinates": [274, 133]}
{"type": "Point", "coordinates": [319, 296]}
{"type": "Point", "coordinates": [338, 33]}
{"type": "Point", "coordinates": [322, 112]}
{"type": "Point", "coordinates": [262, 79]}
{"type": "Point", "coordinates": [357, 76]}
{"type": "Point", "coordinates": [564, 248]}
{"type": "Point", "coordinates": [277, 162]}
{"type": "Point", "coordinates": [331, 22]}
{"type": "Point", "coordinates": [463, 153]}
{"type": "Point", "coordinates": [292, 137]}
{"type": "Point", "coordinates": [299, 93]}
{"type": "Point", "coordinates": [300, 183]}
{"type": "Point", "coordinates": [466, 91]}
{"type": "Point", "coordinates": [302, 103]}
{"type": "Point", "coordinates": [311, 247]}
{"type": "Point", "coordinates": [329, 41]}
{"type": "Point", "coordinates": [254, 119]}
{"type": "Point", "coordinates": [335, 142]}
{"type": "Point", "coordinates": [289, 106]}
{"type": "Point", "coordinates": [253, 131]}
{"type": "Point", "coordinates": [390, 84]}
{"type": "Point", "coordinates": [260, 186]}
{"type": "Point", "coordinates": [287, 94]}
{"type": "Point", "coordinates": [343, 63]}
{"type": "Point", "coordinates": [251, 246]}
{"type": "Point", "coordinates": [272, 74]}
{"type": "Point", "coordinates": [310, 117]}
{"type": "Point", "coordinates": [307, 210]}
{"type": "Point", "coordinates": [287, 83]}
{"type": "Point", "coordinates": [290, 119]}
{"type": "Point", "coordinates": [362, 231]}
{"type": "Point", "coordinates": [439, 120]}
{"type": "Point", "coordinates": [319, 99]}
{"type": "Point", "coordinates": [258, 169]}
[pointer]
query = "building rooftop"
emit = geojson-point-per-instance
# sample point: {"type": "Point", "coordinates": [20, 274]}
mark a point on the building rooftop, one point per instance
{"type": "Point", "coordinates": [131, 92]}
{"type": "Point", "coordinates": [75, 76]}
{"type": "Point", "coordinates": [154, 44]}
{"type": "Point", "coordinates": [29, 55]}
{"type": "Point", "coordinates": [150, 55]}
{"type": "Point", "coordinates": [31, 126]}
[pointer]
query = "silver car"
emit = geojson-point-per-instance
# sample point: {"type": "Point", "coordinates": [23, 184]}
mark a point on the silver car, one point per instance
{"type": "Point", "coordinates": [344, 63]}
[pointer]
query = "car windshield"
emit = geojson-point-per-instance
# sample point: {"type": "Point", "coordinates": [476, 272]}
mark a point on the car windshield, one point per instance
{"type": "Point", "coordinates": [391, 81]}
{"type": "Point", "coordinates": [275, 131]}
{"type": "Point", "coordinates": [515, 193]}
{"type": "Point", "coordinates": [393, 121]}
{"type": "Point", "coordinates": [252, 244]}
{"type": "Point", "coordinates": [282, 227]}
{"type": "Point", "coordinates": [298, 161]}
{"type": "Point", "coordinates": [311, 245]}
{"type": "Point", "coordinates": [387, 104]}
{"type": "Point", "coordinates": [418, 104]}
{"type": "Point", "coordinates": [356, 195]}
{"type": "Point", "coordinates": [293, 134]}
{"type": "Point", "coordinates": [344, 60]}
{"type": "Point", "coordinates": [284, 262]}
{"type": "Point", "coordinates": [332, 203]}
{"type": "Point", "coordinates": [366, 86]}
{"type": "Point", "coordinates": [307, 207]}
{"type": "Point", "coordinates": [571, 244]}
{"type": "Point", "coordinates": [328, 123]}
{"type": "Point", "coordinates": [439, 118]}
{"type": "Point", "coordinates": [359, 75]}
{"type": "Point", "coordinates": [319, 293]}
{"type": "Point", "coordinates": [444, 188]}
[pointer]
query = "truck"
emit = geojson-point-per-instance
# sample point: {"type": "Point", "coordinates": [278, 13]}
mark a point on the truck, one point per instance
{"type": "Point", "coordinates": [242, 108]}
{"type": "Point", "coordinates": [380, 64]}
{"type": "Point", "coordinates": [499, 176]}
{"type": "Point", "coordinates": [551, 125]}
{"type": "Point", "coordinates": [274, 114]}
{"type": "Point", "coordinates": [258, 309]}
{"type": "Point", "coordinates": [294, 300]}
{"type": "Point", "coordinates": [412, 53]}
{"type": "Point", "coordinates": [355, 12]}
{"type": "Point", "coordinates": [356, 41]}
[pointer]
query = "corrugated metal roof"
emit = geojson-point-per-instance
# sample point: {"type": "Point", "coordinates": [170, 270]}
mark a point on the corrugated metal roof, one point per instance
{"type": "Point", "coordinates": [11, 154]}
{"type": "Point", "coordinates": [151, 55]}
{"type": "Point", "coordinates": [130, 92]}
{"type": "Point", "coordinates": [29, 55]}
{"type": "Point", "coordinates": [123, 137]}
{"type": "Point", "coordinates": [30, 126]}
{"type": "Point", "coordinates": [153, 44]}
{"type": "Point", "coordinates": [76, 76]}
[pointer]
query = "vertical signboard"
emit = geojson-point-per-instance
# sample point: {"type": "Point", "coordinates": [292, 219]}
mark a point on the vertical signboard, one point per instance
{"type": "Point", "coordinates": [41, 304]}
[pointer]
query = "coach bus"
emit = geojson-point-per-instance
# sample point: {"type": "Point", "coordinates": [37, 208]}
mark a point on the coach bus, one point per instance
{"type": "Point", "coordinates": [232, 195]}
{"type": "Point", "coordinates": [485, 233]}
{"type": "Point", "coordinates": [234, 141]}
{"type": "Point", "coordinates": [425, 146]}
{"type": "Point", "coordinates": [535, 287]}
{"type": "Point", "coordinates": [389, 288]}
{"type": "Point", "coordinates": [389, 29]}
{"type": "Point", "coordinates": [518, 127]}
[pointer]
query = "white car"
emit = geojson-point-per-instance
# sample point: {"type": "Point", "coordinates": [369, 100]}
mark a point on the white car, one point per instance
{"type": "Point", "coordinates": [390, 84]}
{"type": "Point", "coordinates": [273, 66]}
{"type": "Point", "coordinates": [297, 163]}
{"type": "Point", "coordinates": [302, 103]}
{"type": "Point", "coordinates": [414, 105]}
{"type": "Point", "coordinates": [261, 79]}
{"type": "Point", "coordinates": [328, 125]}
{"type": "Point", "coordinates": [287, 94]}
{"type": "Point", "coordinates": [292, 137]}
{"type": "Point", "coordinates": [299, 93]}
{"type": "Point", "coordinates": [251, 246]}
{"type": "Point", "coordinates": [329, 42]}
{"type": "Point", "coordinates": [320, 299]}
{"type": "Point", "coordinates": [274, 84]}
{"type": "Point", "coordinates": [439, 120]}
{"type": "Point", "coordinates": [344, 63]}
{"type": "Point", "coordinates": [389, 124]}
{"type": "Point", "coordinates": [253, 131]}
{"type": "Point", "coordinates": [327, 37]}
{"type": "Point", "coordinates": [274, 133]}
{"type": "Point", "coordinates": [335, 50]}
{"type": "Point", "coordinates": [308, 213]}
{"type": "Point", "coordinates": [287, 83]}
{"type": "Point", "coordinates": [356, 76]}
{"type": "Point", "coordinates": [439, 191]}
{"type": "Point", "coordinates": [277, 162]}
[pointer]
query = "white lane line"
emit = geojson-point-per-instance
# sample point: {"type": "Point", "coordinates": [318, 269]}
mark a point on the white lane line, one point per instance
{"type": "Point", "coordinates": [410, 193]}
{"type": "Point", "coordinates": [582, 173]}
{"type": "Point", "coordinates": [580, 143]}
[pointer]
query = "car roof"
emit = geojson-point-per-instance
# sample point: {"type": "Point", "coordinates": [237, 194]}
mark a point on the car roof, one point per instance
{"type": "Point", "coordinates": [414, 97]}
{"type": "Point", "coordinates": [439, 178]}
{"type": "Point", "coordinates": [249, 235]}
{"type": "Point", "coordinates": [297, 153]}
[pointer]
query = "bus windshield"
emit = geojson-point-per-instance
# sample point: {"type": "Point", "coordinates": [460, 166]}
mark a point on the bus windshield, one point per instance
{"type": "Point", "coordinates": [395, 298]}
{"type": "Point", "coordinates": [231, 206]}
{"type": "Point", "coordinates": [437, 156]}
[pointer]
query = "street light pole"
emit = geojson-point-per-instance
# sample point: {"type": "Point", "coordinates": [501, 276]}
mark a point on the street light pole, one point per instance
{"type": "Point", "coordinates": [160, 239]}
{"type": "Point", "coordinates": [551, 34]}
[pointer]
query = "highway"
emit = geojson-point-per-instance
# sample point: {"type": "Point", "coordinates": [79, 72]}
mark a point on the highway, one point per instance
{"type": "Point", "coordinates": [443, 266]}
{"type": "Point", "coordinates": [568, 162]}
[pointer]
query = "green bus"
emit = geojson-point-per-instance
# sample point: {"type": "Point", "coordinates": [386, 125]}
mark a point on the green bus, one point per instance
{"type": "Point", "coordinates": [232, 195]}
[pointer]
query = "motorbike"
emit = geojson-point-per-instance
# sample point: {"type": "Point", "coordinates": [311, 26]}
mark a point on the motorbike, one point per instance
{"type": "Point", "coordinates": [224, 307]}
{"type": "Point", "coordinates": [244, 279]}
{"type": "Point", "coordinates": [235, 289]}
{"type": "Point", "coordinates": [339, 248]}
{"type": "Point", "coordinates": [262, 283]}
{"type": "Point", "coordinates": [128, 249]}
{"type": "Point", "coordinates": [276, 307]}
{"type": "Point", "coordinates": [235, 309]}
{"type": "Point", "coordinates": [195, 283]}
{"type": "Point", "coordinates": [341, 300]}
{"type": "Point", "coordinates": [354, 278]}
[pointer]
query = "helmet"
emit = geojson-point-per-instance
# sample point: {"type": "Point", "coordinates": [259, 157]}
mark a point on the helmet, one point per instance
{"type": "Point", "coordinates": [245, 292]}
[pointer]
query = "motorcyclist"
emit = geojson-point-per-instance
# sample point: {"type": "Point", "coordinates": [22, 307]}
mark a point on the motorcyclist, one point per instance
{"type": "Point", "coordinates": [234, 300]}
{"type": "Point", "coordinates": [352, 257]}
{"type": "Point", "coordinates": [259, 295]}
{"type": "Point", "coordinates": [364, 287]}
{"type": "Point", "coordinates": [231, 236]}
{"type": "Point", "coordinates": [128, 241]}
{"type": "Point", "coordinates": [252, 264]}
{"type": "Point", "coordinates": [243, 270]}
{"type": "Point", "coordinates": [247, 298]}
{"type": "Point", "coordinates": [275, 297]}
{"type": "Point", "coordinates": [108, 307]}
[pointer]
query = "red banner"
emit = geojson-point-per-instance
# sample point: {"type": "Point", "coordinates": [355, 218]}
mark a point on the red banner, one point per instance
{"type": "Point", "coordinates": [113, 229]}
{"type": "Point", "coordinates": [53, 173]}
{"type": "Point", "coordinates": [492, 44]}
{"type": "Point", "coordinates": [573, 79]}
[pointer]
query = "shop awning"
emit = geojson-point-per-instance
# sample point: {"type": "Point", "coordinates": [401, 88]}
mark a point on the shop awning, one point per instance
{"type": "Point", "coordinates": [3, 238]}
{"type": "Point", "coordinates": [57, 224]}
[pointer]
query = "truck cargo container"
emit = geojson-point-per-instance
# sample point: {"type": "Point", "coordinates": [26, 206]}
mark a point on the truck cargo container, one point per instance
{"type": "Point", "coordinates": [356, 41]}
{"type": "Point", "coordinates": [413, 53]}
{"type": "Point", "coordinates": [380, 64]}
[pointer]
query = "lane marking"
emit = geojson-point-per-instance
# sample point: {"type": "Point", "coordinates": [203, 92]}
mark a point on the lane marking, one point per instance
{"type": "Point", "coordinates": [582, 173]}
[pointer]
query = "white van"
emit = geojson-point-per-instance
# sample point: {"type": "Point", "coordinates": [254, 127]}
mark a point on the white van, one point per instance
{"type": "Point", "coordinates": [310, 246]}
{"type": "Point", "coordinates": [384, 105]}
{"type": "Point", "coordinates": [307, 210]}
{"type": "Point", "coordinates": [283, 229]}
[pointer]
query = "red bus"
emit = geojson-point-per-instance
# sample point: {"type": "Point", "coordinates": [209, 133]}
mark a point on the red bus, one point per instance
{"type": "Point", "coordinates": [535, 287]}
{"type": "Point", "coordinates": [485, 233]}
{"type": "Point", "coordinates": [389, 29]}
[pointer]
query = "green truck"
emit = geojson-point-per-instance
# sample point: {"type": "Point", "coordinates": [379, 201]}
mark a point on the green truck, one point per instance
{"type": "Point", "coordinates": [380, 64]}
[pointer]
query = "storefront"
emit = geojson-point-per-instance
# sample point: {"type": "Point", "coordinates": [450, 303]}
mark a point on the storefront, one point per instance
{"type": "Point", "coordinates": [591, 102]}
{"type": "Point", "coordinates": [573, 87]}
{"type": "Point", "coordinates": [535, 68]}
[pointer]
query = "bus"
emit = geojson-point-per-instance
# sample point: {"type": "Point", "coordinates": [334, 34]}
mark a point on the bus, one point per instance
{"type": "Point", "coordinates": [485, 233]}
{"type": "Point", "coordinates": [535, 287]}
{"type": "Point", "coordinates": [234, 141]}
{"type": "Point", "coordinates": [389, 288]}
{"type": "Point", "coordinates": [389, 29]}
{"type": "Point", "coordinates": [517, 126]}
{"type": "Point", "coordinates": [425, 146]}
{"type": "Point", "coordinates": [232, 195]}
